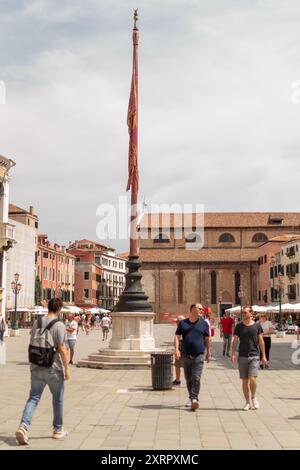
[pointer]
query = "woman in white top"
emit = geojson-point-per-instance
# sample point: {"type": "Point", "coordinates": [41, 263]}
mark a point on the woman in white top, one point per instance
{"type": "Point", "coordinates": [267, 327]}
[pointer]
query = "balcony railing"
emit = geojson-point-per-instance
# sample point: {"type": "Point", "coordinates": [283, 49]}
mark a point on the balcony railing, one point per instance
{"type": "Point", "coordinates": [290, 252]}
{"type": "Point", "coordinates": [7, 236]}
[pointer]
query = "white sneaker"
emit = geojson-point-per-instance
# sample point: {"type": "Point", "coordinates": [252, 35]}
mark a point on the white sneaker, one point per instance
{"type": "Point", "coordinates": [189, 403]}
{"type": "Point", "coordinates": [59, 434]}
{"type": "Point", "coordinates": [247, 407]}
{"type": "Point", "coordinates": [22, 436]}
{"type": "Point", "coordinates": [255, 403]}
{"type": "Point", "coordinates": [195, 404]}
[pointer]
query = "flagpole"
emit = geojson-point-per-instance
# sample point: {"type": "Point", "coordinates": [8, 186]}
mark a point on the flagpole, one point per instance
{"type": "Point", "coordinates": [133, 298]}
{"type": "Point", "coordinates": [134, 248]}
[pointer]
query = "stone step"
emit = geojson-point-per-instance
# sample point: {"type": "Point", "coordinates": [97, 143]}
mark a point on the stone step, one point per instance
{"type": "Point", "coordinates": [122, 359]}
{"type": "Point", "coordinates": [112, 365]}
{"type": "Point", "coordinates": [120, 352]}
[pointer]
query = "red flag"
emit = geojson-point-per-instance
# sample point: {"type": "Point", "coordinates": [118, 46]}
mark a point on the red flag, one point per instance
{"type": "Point", "coordinates": [132, 123]}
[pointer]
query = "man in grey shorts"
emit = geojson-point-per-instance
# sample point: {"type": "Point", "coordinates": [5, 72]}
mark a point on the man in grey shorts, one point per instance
{"type": "Point", "coordinates": [251, 343]}
{"type": "Point", "coordinates": [71, 329]}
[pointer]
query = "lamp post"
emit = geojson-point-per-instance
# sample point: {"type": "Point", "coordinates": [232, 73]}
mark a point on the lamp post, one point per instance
{"type": "Point", "coordinates": [16, 288]}
{"type": "Point", "coordinates": [280, 288]}
{"type": "Point", "coordinates": [273, 261]}
{"type": "Point", "coordinates": [241, 296]}
{"type": "Point", "coordinates": [220, 304]}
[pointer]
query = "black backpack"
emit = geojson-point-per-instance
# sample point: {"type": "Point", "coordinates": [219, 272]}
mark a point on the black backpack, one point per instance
{"type": "Point", "coordinates": [41, 348]}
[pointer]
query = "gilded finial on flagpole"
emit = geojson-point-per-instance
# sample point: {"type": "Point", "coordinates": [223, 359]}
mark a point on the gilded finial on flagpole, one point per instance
{"type": "Point", "coordinates": [136, 18]}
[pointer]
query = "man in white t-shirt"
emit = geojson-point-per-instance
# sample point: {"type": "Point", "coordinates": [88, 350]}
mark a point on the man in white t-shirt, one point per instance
{"type": "Point", "coordinates": [71, 328]}
{"type": "Point", "coordinates": [105, 324]}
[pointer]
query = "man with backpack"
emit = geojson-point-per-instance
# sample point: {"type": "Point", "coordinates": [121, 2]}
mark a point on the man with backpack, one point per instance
{"type": "Point", "coordinates": [195, 339]}
{"type": "Point", "coordinates": [48, 357]}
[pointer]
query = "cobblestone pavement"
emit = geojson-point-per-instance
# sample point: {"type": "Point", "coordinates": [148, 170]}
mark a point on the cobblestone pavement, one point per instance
{"type": "Point", "coordinates": [117, 409]}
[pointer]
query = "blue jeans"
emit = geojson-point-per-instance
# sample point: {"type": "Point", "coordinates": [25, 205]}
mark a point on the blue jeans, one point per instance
{"type": "Point", "coordinates": [40, 377]}
{"type": "Point", "coordinates": [192, 372]}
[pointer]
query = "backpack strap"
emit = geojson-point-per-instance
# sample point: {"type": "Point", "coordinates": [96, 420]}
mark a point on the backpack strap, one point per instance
{"type": "Point", "coordinates": [50, 324]}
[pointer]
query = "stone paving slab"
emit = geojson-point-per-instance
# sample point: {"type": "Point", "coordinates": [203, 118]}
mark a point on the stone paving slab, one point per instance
{"type": "Point", "coordinates": [118, 410]}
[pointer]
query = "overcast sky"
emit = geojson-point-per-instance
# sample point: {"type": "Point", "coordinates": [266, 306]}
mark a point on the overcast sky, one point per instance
{"type": "Point", "coordinates": [218, 123]}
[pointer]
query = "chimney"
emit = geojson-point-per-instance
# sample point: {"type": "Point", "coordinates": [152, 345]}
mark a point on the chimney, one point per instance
{"type": "Point", "coordinates": [31, 210]}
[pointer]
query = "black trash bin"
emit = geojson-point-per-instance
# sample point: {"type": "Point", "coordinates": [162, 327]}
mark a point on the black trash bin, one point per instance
{"type": "Point", "coordinates": [161, 368]}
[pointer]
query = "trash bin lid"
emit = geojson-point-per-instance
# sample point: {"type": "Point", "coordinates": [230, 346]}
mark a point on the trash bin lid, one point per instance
{"type": "Point", "coordinates": [162, 353]}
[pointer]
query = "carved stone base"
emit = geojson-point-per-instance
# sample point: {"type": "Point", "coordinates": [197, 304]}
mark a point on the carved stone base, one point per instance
{"type": "Point", "coordinates": [280, 334]}
{"type": "Point", "coordinates": [131, 344]}
{"type": "Point", "coordinates": [14, 332]}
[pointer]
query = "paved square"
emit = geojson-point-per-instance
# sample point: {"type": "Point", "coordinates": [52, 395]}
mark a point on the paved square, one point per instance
{"type": "Point", "coordinates": [117, 409]}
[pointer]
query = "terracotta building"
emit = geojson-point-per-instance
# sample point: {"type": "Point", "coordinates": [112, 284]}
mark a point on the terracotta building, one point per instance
{"type": "Point", "coordinates": [55, 268]}
{"type": "Point", "coordinates": [216, 264]}
{"type": "Point", "coordinates": [287, 263]}
{"type": "Point", "coordinates": [100, 274]}
{"type": "Point", "coordinates": [273, 260]}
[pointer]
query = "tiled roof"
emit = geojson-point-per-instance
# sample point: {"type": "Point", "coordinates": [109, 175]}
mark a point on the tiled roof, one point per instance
{"type": "Point", "coordinates": [12, 208]}
{"type": "Point", "coordinates": [84, 240]}
{"type": "Point", "coordinates": [222, 219]}
{"type": "Point", "coordinates": [285, 238]}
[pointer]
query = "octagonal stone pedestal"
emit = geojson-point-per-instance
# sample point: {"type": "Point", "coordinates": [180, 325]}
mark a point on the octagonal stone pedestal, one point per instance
{"type": "Point", "coordinates": [14, 332]}
{"type": "Point", "coordinates": [280, 334]}
{"type": "Point", "coordinates": [130, 346]}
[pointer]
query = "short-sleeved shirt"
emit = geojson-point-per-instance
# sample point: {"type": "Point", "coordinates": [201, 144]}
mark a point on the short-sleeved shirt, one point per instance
{"type": "Point", "coordinates": [248, 335]}
{"type": "Point", "coordinates": [58, 332]}
{"type": "Point", "coordinates": [227, 324]}
{"type": "Point", "coordinates": [266, 325]}
{"type": "Point", "coordinates": [193, 335]}
{"type": "Point", "coordinates": [72, 334]}
{"type": "Point", "coordinates": [105, 322]}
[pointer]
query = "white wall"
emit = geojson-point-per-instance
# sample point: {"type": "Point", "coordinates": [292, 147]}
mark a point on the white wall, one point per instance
{"type": "Point", "coordinates": [21, 259]}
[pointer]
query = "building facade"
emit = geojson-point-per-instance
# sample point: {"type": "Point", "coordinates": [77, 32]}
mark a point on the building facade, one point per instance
{"type": "Point", "coordinates": [289, 258]}
{"type": "Point", "coordinates": [272, 261]}
{"type": "Point", "coordinates": [216, 264]}
{"type": "Point", "coordinates": [55, 269]}
{"type": "Point", "coordinates": [100, 274]}
{"type": "Point", "coordinates": [21, 260]}
{"type": "Point", "coordinates": [7, 237]}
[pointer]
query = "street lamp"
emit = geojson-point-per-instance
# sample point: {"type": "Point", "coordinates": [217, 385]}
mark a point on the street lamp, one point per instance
{"type": "Point", "coordinates": [241, 296]}
{"type": "Point", "coordinates": [273, 262]}
{"type": "Point", "coordinates": [16, 287]}
{"type": "Point", "coordinates": [280, 288]}
{"type": "Point", "coordinates": [220, 304]}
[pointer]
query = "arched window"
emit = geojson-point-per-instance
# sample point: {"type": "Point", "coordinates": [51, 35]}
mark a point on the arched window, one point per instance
{"type": "Point", "coordinates": [213, 287]}
{"type": "Point", "coordinates": [193, 238]}
{"type": "Point", "coordinates": [259, 237]}
{"type": "Point", "coordinates": [161, 238]}
{"type": "Point", "coordinates": [193, 241]}
{"type": "Point", "coordinates": [180, 287]}
{"type": "Point", "coordinates": [237, 283]}
{"type": "Point", "coordinates": [226, 238]}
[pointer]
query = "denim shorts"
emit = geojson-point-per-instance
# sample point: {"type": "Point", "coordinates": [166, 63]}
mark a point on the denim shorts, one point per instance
{"type": "Point", "coordinates": [71, 343]}
{"type": "Point", "coordinates": [248, 366]}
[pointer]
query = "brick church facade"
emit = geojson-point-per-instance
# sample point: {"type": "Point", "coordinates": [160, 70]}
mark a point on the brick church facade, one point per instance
{"type": "Point", "coordinates": [216, 266]}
